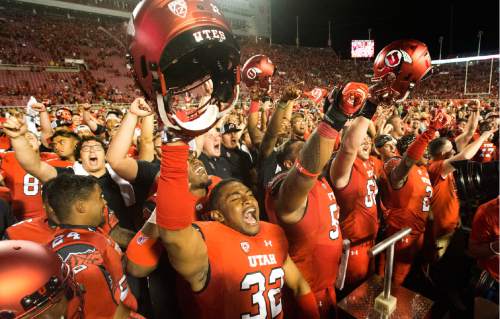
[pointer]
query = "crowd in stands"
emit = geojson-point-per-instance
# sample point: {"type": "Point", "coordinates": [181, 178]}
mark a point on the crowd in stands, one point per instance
{"type": "Point", "coordinates": [109, 191]}
{"type": "Point", "coordinates": [39, 37]}
{"type": "Point", "coordinates": [122, 5]}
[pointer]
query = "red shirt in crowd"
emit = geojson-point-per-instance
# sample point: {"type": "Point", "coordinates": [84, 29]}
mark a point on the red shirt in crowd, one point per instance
{"type": "Point", "coordinates": [485, 229]}
{"type": "Point", "coordinates": [444, 202]}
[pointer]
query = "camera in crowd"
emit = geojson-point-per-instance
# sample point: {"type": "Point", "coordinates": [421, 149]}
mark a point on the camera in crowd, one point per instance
{"type": "Point", "coordinates": [476, 184]}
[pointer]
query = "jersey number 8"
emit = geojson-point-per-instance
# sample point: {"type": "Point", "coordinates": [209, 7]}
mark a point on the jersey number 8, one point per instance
{"type": "Point", "coordinates": [31, 185]}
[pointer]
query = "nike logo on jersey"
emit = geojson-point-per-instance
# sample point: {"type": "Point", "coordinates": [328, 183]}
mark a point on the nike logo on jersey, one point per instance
{"type": "Point", "coordinates": [262, 260]}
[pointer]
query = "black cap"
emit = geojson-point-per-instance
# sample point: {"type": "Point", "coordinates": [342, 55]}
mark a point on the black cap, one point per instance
{"type": "Point", "coordinates": [229, 128]}
{"type": "Point", "coordinates": [381, 140]}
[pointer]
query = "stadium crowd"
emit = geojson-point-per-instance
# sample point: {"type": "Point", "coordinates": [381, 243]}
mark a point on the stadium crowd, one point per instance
{"type": "Point", "coordinates": [250, 214]}
{"type": "Point", "coordinates": [38, 39]}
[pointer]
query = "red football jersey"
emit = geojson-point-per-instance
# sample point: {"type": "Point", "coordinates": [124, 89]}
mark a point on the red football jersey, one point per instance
{"type": "Point", "coordinates": [96, 262]}
{"type": "Point", "coordinates": [377, 164]}
{"type": "Point", "coordinates": [246, 273]}
{"type": "Point", "coordinates": [444, 202]}
{"type": "Point", "coordinates": [358, 207]}
{"type": "Point", "coordinates": [316, 240]}
{"type": "Point", "coordinates": [486, 229]}
{"type": "Point", "coordinates": [487, 153]}
{"type": "Point", "coordinates": [39, 229]}
{"type": "Point", "coordinates": [33, 229]}
{"type": "Point", "coordinates": [25, 188]}
{"type": "Point", "coordinates": [4, 143]}
{"type": "Point", "coordinates": [408, 206]}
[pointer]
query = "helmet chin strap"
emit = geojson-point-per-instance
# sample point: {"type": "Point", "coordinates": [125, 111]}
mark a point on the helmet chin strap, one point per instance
{"type": "Point", "coordinates": [161, 109]}
{"type": "Point", "coordinates": [407, 93]}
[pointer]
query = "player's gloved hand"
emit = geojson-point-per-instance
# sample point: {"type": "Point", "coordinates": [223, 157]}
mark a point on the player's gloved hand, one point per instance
{"type": "Point", "coordinates": [343, 103]}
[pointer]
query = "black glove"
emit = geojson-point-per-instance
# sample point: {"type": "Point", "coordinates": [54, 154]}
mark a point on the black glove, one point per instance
{"type": "Point", "coordinates": [368, 109]}
{"type": "Point", "coordinates": [333, 114]}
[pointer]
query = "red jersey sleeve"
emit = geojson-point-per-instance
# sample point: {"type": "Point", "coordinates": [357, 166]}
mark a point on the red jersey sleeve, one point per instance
{"type": "Point", "coordinates": [110, 221]}
{"type": "Point", "coordinates": [485, 229]}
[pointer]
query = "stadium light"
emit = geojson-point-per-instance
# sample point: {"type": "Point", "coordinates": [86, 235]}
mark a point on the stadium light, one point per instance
{"type": "Point", "coordinates": [474, 58]}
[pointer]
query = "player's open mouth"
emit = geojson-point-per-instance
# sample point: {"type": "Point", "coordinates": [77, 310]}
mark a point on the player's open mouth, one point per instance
{"type": "Point", "coordinates": [249, 216]}
{"type": "Point", "coordinates": [93, 160]}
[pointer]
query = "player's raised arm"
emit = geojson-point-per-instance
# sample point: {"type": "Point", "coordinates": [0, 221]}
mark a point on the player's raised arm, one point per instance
{"type": "Point", "coordinates": [185, 246]}
{"type": "Point", "coordinates": [283, 107]}
{"type": "Point", "coordinates": [292, 198]}
{"type": "Point", "coordinates": [340, 170]}
{"type": "Point", "coordinates": [116, 155]}
{"type": "Point", "coordinates": [416, 150]}
{"type": "Point", "coordinates": [25, 153]}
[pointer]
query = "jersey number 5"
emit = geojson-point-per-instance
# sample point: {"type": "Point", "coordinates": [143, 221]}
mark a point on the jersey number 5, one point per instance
{"type": "Point", "coordinates": [334, 214]}
{"type": "Point", "coordinates": [372, 190]}
{"type": "Point", "coordinates": [259, 298]}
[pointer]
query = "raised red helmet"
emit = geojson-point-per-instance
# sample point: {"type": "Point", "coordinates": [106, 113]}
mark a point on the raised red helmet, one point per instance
{"type": "Point", "coordinates": [257, 71]}
{"type": "Point", "coordinates": [175, 46]}
{"type": "Point", "coordinates": [33, 279]}
{"type": "Point", "coordinates": [408, 60]}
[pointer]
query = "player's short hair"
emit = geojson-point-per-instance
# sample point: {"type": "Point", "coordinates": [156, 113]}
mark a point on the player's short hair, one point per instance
{"type": "Point", "coordinates": [436, 146]}
{"type": "Point", "coordinates": [45, 189]}
{"type": "Point", "coordinates": [213, 199]}
{"type": "Point", "coordinates": [63, 191]}
{"type": "Point", "coordinates": [65, 133]}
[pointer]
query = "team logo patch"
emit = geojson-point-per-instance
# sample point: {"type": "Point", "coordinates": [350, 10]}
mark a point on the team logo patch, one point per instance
{"type": "Point", "coordinates": [178, 7]}
{"type": "Point", "coordinates": [317, 93]}
{"type": "Point", "coordinates": [393, 58]}
{"type": "Point", "coordinates": [396, 57]}
{"type": "Point", "coordinates": [253, 72]}
{"type": "Point", "coordinates": [245, 246]}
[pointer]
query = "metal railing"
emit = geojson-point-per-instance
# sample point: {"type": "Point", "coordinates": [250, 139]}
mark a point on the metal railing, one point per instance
{"type": "Point", "coordinates": [388, 245]}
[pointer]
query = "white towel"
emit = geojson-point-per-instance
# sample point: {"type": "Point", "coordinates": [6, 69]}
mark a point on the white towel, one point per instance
{"type": "Point", "coordinates": [126, 189]}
